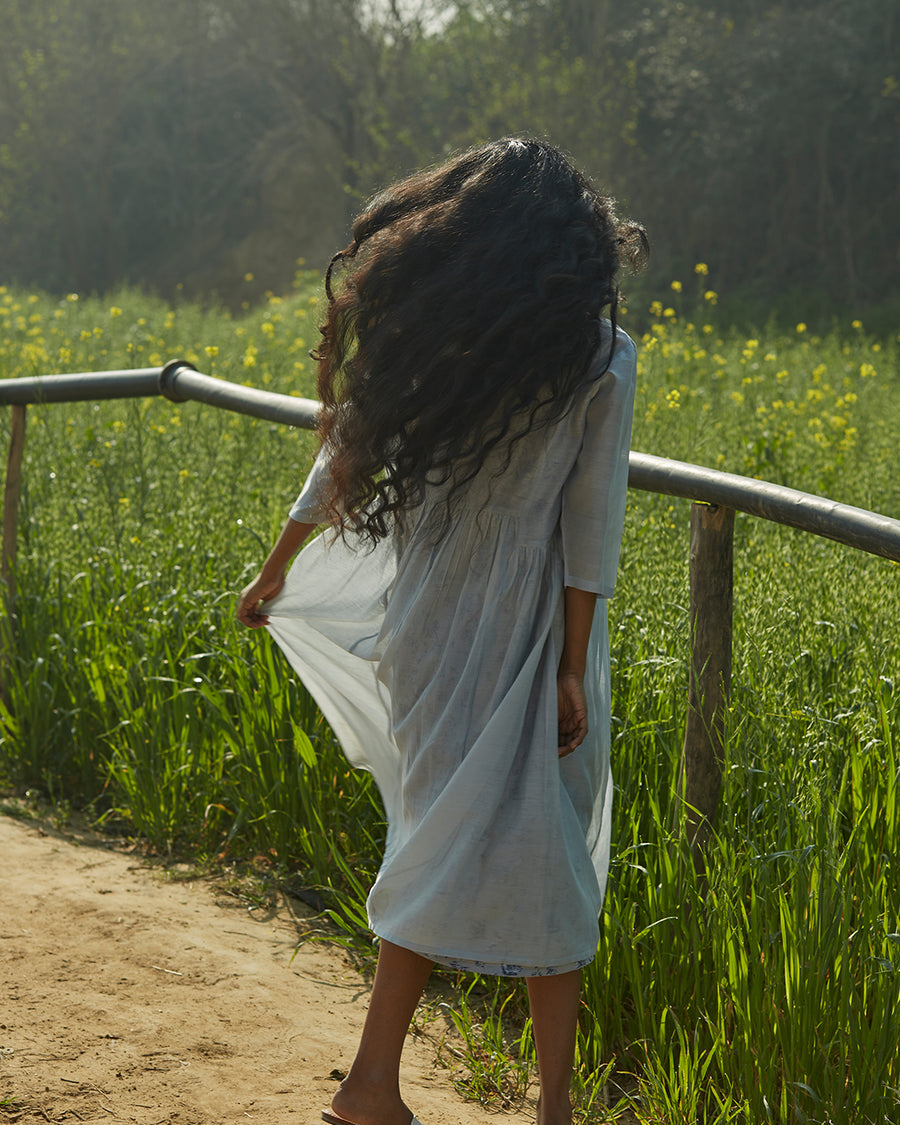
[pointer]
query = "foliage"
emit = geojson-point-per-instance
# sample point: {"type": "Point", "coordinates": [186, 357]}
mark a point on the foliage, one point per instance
{"type": "Point", "coordinates": [763, 127]}
{"type": "Point", "coordinates": [765, 988]}
{"type": "Point", "coordinates": [153, 144]}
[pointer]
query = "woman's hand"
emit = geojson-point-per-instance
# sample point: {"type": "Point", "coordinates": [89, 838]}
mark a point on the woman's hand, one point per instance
{"type": "Point", "coordinates": [262, 589]}
{"type": "Point", "coordinates": [270, 579]}
{"type": "Point", "coordinates": [572, 712]}
{"type": "Point", "coordinates": [571, 701]}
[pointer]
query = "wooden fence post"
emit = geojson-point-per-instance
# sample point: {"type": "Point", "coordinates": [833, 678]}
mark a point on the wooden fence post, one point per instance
{"type": "Point", "coordinates": [11, 490]}
{"type": "Point", "coordinates": [711, 581]}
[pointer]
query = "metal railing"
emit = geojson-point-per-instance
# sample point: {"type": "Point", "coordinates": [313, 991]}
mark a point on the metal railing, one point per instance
{"type": "Point", "coordinates": [716, 497]}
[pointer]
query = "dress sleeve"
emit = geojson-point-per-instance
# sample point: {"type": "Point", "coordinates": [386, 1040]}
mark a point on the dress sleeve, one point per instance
{"type": "Point", "coordinates": [593, 499]}
{"type": "Point", "coordinates": [310, 505]}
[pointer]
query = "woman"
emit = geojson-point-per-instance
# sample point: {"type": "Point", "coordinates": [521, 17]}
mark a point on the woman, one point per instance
{"type": "Point", "coordinates": [475, 430]}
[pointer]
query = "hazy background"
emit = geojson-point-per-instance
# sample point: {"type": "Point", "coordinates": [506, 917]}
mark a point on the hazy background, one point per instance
{"type": "Point", "coordinates": [164, 142]}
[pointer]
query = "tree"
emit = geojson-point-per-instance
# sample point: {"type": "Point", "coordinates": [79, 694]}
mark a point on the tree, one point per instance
{"type": "Point", "coordinates": [770, 135]}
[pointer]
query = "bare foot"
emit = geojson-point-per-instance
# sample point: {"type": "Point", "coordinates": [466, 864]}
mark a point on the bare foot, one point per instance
{"type": "Point", "coordinates": [370, 1106]}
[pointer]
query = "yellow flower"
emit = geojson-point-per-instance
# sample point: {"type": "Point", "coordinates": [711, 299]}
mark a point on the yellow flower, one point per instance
{"type": "Point", "coordinates": [248, 277]}
{"type": "Point", "coordinates": [71, 296]}
{"type": "Point", "coordinates": [211, 350]}
{"type": "Point", "coordinates": [848, 440]}
{"type": "Point", "coordinates": [702, 269]}
{"type": "Point", "coordinates": [676, 285]}
{"type": "Point", "coordinates": [672, 398]}
{"type": "Point", "coordinates": [857, 324]}
{"type": "Point", "coordinates": [801, 327]}
{"type": "Point", "coordinates": [866, 370]}
{"type": "Point", "coordinates": [669, 312]}
{"type": "Point", "coordinates": [656, 308]}
{"type": "Point", "coordinates": [115, 311]}
{"type": "Point", "coordinates": [711, 296]}
{"type": "Point", "coordinates": [124, 501]}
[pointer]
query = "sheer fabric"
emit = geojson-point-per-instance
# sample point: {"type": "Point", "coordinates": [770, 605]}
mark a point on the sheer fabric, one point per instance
{"type": "Point", "coordinates": [435, 663]}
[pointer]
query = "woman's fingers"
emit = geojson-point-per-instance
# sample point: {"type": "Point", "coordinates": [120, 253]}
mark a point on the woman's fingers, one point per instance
{"type": "Point", "coordinates": [252, 597]}
{"type": "Point", "coordinates": [572, 713]}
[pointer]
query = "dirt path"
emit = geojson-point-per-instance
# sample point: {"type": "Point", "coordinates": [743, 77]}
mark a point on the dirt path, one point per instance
{"type": "Point", "coordinates": [127, 996]}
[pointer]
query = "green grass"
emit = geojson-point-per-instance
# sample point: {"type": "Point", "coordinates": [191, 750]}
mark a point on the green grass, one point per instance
{"type": "Point", "coordinates": [765, 989]}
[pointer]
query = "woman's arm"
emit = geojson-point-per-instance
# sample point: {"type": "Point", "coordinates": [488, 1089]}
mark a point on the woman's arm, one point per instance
{"type": "Point", "coordinates": [270, 579]}
{"type": "Point", "coordinates": [571, 701]}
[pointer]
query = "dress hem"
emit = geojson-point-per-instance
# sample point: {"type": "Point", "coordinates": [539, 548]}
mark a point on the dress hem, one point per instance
{"type": "Point", "coordinates": [493, 968]}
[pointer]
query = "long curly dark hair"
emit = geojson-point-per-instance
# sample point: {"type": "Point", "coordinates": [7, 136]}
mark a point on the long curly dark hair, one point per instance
{"type": "Point", "coordinates": [468, 313]}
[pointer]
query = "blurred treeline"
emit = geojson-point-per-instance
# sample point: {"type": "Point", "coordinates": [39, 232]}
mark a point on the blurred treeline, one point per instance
{"type": "Point", "coordinates": [160, 142]}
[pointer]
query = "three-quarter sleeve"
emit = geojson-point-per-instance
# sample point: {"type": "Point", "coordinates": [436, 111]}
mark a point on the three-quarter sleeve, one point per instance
{"type": "Point", "coordinates": [311, 505]}
{"type": "Point", "coordinates": [594, 495]}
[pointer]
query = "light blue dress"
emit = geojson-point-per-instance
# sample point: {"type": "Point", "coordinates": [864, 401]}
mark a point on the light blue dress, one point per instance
{"type": "Point", "coordinates": [435, 663]}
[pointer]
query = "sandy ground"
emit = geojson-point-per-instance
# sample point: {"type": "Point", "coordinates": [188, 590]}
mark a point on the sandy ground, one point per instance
{"type": "Point", "coordinates": [130, 995]}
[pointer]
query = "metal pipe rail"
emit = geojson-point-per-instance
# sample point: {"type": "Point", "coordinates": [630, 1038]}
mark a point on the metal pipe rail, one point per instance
{"type": "Point", "coordinates": [180, 381]}
{"type": "Point", "coordinates": [716, 495]}
{"type": "Point", "coordinates": [856, 527]}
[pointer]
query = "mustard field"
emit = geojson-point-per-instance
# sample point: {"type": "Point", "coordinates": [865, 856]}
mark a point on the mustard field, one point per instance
{"type": "Point", "coordinates": [767, 990]}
